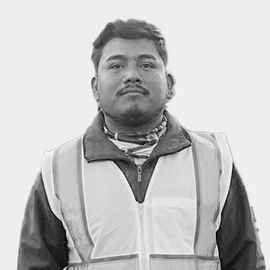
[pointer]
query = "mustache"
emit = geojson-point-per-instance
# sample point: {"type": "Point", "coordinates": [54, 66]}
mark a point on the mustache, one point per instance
{"type": "Point", "coordinates": [126, 88]}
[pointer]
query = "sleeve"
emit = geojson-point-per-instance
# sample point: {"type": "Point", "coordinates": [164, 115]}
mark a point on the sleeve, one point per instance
{"type": "Point", "coordinates": [43, 243]}
{"type": "Point", "coordinates": [237, 237]}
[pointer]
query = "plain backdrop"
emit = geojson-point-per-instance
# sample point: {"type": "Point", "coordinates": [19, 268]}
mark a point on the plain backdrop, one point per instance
{"type": "Point", "coordinates": [218, 53]}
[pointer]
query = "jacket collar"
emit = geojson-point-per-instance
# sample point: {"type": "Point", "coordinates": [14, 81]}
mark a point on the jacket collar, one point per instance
{"type": "Point", "coordinates": [98, 147]}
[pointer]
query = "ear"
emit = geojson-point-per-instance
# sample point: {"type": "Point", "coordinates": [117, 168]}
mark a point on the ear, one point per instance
{"type": "Point", "coordinates": [170, 83]}
{"type": "Point", "coordinates": [95, 88]}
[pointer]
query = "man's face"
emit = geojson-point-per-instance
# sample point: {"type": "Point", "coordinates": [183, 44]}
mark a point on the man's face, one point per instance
{"type": "Point", "coordinates": [132, 84]}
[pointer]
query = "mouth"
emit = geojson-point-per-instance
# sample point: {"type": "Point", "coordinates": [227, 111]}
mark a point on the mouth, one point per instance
{"type": "Point", "coordinates": [131, 90]}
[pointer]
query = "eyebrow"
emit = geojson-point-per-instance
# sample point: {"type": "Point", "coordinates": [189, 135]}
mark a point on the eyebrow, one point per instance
{"type": "Point", "coordinates": [116, 57]}
{"type": "Point", "coordinates": [123, 57]}
{"type": "Point", "coordinates": [147, 56]}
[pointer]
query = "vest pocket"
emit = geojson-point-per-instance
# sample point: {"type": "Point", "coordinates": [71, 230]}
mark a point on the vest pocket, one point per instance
{"type": "Point", "coordinates": [183, 262]}
{"type": "Point", "coordinates": [173, 225]}
{"type": "Point", "coordinates": [129, 262]}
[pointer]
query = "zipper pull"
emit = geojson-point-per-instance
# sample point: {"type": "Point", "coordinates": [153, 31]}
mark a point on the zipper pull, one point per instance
{"type": "Point", "coordinates": [140, 207]}
{"type": "Point", "coordinates": [139, 171]}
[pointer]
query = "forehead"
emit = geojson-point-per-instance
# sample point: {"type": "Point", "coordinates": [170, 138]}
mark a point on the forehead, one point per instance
{"type": "Point", "coordinates": [130, 48]}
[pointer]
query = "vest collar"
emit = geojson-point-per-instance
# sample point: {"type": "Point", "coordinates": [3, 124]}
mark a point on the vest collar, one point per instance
{"type": "Point", "coordinates": [98, 147]}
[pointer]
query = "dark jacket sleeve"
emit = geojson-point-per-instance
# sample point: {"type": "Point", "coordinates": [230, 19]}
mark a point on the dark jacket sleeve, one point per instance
{"type": "Point", "coordinates": [43, 243]}
{"type": "Point", "coordinates": [237, 237]}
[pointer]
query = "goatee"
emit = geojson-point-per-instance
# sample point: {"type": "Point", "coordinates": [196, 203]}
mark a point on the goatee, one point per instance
{"type": "Point", "coordinates": [134, 116]}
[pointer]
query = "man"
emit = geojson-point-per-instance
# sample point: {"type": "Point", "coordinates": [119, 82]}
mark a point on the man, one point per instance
{"type": "Point", "coordinates": [137, 190]}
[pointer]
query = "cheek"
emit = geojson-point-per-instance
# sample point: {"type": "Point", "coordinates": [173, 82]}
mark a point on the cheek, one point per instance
{"type": "Point", "coordinates": [157, 83]}
{"type": "Point", "coordinates": [106, 82]}
{"type": "Point", "coordinates": [155, 78]}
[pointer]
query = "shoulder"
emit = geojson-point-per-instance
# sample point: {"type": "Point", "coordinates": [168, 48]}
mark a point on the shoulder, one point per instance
{"type": "Point", "coordinates": [202, 137]}
{"type": "Point", "coordinates": [64, 153]}
{"type": "Point", "coordinates": [209, 139]}
{"type": "Point", "coordinates": [66, 145]}
{"type": "Point", "coordinates": [214, 144]}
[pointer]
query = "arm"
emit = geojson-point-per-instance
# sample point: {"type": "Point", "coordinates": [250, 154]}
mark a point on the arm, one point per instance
{"type": "Point", "coordinates": [43, 243]}
{"type": "Point", "coordinates": [237, 238]}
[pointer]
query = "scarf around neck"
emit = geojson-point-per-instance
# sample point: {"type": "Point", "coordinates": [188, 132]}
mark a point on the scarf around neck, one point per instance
{"type": "Point", "coordinates": [137, 146]}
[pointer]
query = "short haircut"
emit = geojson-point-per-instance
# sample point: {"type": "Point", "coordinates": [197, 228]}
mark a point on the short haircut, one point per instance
{"type": "Point", "coordinates": [130, 29]}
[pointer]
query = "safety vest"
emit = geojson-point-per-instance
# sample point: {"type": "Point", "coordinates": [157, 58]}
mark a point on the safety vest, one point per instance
{"type": "Point", "coordinates": [174, 228]}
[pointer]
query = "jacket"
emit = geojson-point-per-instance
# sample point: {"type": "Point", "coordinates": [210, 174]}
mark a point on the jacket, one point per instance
{"type": "Point", "coordinates": [43, 243]}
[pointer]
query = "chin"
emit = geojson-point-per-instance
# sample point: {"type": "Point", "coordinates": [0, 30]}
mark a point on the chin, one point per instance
{"type": "Point", "coordinates": [134, 116]}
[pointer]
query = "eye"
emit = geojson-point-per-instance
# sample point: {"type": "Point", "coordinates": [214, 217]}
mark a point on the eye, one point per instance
{"type": "Point", "coordinates": [116, 66]}
{"type": "Point", "coordinates": [147, 65]}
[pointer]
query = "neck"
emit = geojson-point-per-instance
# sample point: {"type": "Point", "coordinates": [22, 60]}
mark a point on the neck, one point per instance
{"type": "Point", "coordinates": [146, 126]}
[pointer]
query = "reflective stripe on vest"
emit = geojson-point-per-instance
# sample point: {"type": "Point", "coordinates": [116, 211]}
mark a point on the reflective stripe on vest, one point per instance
{"type": "Point", "coordinates": [175, 227]}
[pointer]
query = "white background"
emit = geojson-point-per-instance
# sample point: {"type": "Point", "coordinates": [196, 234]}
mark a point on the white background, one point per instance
{"type": "Point", "coordinates": [218, 53]}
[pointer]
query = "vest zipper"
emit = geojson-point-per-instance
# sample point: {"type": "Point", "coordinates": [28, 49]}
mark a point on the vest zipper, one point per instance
{"type": "Point", "coordinates": [139, 172]}
{"type": "Point", "coordinates": [143, 260]}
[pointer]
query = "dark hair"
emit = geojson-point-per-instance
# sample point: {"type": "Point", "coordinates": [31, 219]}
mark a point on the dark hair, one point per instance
{"type": "Point", "coordinates": [130, 29]}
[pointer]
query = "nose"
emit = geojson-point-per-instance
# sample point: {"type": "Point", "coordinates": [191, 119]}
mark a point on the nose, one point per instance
{"type": "Point", "coordinates": [132, 76]}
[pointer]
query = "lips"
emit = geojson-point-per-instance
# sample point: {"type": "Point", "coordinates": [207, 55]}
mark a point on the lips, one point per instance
{"type": "Point", "coordinates": [132, 90]}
